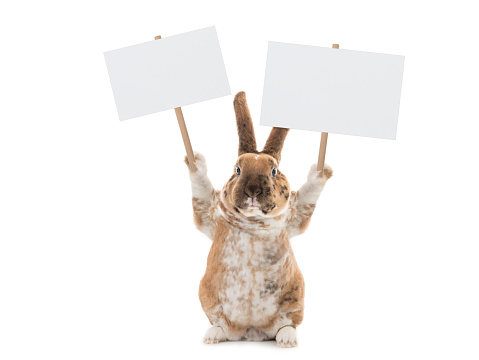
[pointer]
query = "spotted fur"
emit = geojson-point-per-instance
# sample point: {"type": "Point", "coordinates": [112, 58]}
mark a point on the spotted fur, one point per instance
{"type": "Point", "coordinates": [252, 288]}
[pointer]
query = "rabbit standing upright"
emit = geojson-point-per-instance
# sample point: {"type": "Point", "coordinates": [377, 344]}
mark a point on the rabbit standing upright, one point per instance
{"type": "Point", "coordinates": [253, 288]}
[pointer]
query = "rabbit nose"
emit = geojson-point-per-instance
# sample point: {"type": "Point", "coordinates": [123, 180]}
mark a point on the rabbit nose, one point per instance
{"type": "Point", "coordinates": [252, 191]}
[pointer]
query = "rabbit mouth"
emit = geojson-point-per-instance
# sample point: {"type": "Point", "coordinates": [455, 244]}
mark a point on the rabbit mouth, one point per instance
{"type": "Point", "coordinates": [252, 203]}
{"type": "Point", "coordinates": [249, 206]}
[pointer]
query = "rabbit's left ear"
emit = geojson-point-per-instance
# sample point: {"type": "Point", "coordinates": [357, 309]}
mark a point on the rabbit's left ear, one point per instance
{"type": "Point", "coordinates": [275, 142]}
{"type": "Point", "coordinates": [247, 140]}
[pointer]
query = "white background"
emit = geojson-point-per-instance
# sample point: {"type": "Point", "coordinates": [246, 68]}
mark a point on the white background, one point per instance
{"type": "Point", "coordinates": [99, 258]}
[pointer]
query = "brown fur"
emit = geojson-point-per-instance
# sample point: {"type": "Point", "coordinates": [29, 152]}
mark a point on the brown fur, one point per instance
{"type": "Point", "coordinates": [209, 285]}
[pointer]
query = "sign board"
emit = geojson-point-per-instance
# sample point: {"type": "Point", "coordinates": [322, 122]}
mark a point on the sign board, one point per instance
{"type": "Point", "coordinates": [169, 73]}
{"type": "Point", "coordinates": [332, 90]}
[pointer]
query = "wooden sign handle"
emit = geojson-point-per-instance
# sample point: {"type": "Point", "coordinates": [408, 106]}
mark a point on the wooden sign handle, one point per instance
{"type": "Point", "coordinates": [324, 142]}
{"type": "Point", "coordinates": [184, 133]}
{"type": "Point", "coordinates": [322, 152]}
{"type": "Point", "coordinates": [186, 138]}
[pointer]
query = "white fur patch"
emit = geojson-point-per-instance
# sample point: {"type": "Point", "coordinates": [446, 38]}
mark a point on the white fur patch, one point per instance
{"type": "Point", "coordinates": [244, 299]}
{"type": "Point", "coordinates": [310, 191]}
{"type": "Point", "coordinates": [201, 186]}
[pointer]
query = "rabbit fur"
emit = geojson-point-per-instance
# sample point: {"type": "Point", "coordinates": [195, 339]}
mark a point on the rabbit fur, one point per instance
{"type": "Point", "coordinates": [253, 288]}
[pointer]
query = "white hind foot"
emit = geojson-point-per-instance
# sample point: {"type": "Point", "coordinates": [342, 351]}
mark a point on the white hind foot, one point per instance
{"type": "Point", "coordinates": [286, 337]}
{"type": "Point", "coordinates": [214, 335]}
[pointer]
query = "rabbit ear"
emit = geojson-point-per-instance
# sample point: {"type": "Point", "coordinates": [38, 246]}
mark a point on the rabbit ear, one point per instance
{"type": "Point", "coordinates": [275, 142]}
{"type": "Point", "coordinates": [247, 140]}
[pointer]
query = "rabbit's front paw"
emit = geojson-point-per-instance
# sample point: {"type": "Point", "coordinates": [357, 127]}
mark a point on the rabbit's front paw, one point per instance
{"type": "Point", "coordinates": [214, 335]}
{"type": "Point", "coordinates": [327, 172]}
{"type": "Point", "coordinates": [200, 162]}
{"type": "Point", "coordinates": [313, 175]}
{"type": "Point", "coordinates": [286, 337]}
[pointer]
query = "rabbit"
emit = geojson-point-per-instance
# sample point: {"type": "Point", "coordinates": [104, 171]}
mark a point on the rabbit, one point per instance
{"type": "Point", "coordinates": [252, 288]}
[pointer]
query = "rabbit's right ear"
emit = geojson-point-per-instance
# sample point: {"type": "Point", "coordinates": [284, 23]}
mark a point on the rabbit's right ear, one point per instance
{"type": "Point", "coordinates": [275, 142]}
{"type": "Point", "coordinates": [247, 140]}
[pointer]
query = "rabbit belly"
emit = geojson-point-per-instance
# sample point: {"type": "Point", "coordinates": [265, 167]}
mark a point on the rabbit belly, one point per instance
{"type": "Point", "coordinates": [244, 300]}
{"type": "Point", "coordinates": [253, 272]}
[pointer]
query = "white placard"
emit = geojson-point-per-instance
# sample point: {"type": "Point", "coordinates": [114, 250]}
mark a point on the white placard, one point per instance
{"type": "Point", "coordinates": [332, 90]}
{"type": "Point", "coordinates": [168, 73]}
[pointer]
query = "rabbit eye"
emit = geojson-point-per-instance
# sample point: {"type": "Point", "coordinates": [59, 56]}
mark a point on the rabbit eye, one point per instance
{"type": "Point", "coordinates": [238, 170]}
{"type": "Point", "coordinates": [274, 172]}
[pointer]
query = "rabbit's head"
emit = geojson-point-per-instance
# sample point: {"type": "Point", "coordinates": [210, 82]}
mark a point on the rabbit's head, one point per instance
{"type": "Point", "coordinates": [257, 186]}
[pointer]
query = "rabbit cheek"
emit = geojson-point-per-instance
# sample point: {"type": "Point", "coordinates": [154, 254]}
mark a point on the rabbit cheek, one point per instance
{"type": "Point", "coordinates": [240, 200]}
{"type": "Point", "coordinates": [268, 204]}
{"type": "Point", "coordinates": [278, 196]}
{"type": "Point", "coordinates": [233, 197]}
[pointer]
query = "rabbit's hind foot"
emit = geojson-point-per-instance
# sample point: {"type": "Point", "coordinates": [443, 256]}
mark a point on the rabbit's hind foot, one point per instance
{"type": "Point", "coordinates": [286, 337]}
{"type": "Point", "coordinates": [214, 335]}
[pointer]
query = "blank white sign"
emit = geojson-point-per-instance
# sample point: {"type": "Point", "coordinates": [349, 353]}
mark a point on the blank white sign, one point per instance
{"type": "Point", "coordinates": [167, 73]}
{"type": "Point", "coordinates": [332, 90]}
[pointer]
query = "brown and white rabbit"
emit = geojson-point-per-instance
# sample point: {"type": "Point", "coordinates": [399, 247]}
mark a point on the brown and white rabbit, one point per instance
{"type": "Point", "coordinates": [253, 288]}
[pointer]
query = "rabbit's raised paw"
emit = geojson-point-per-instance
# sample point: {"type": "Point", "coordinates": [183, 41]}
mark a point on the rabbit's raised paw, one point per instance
{"type": "Point", "coordinates": [200, 162]}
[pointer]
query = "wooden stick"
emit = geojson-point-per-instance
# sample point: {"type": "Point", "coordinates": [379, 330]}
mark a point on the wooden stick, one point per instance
{"type": "Point", "coordinates": [324, 142]}
{"type": "Point", "coordinates": [186, 138]}
{"type": "Point", "coordinates": [184, 133]}
{"type": "Point", "coordinates": [322, 152]}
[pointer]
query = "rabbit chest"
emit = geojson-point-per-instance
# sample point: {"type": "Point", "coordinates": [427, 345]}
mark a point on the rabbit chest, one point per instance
{"type": "Point", "coordinates": [254, 273]}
